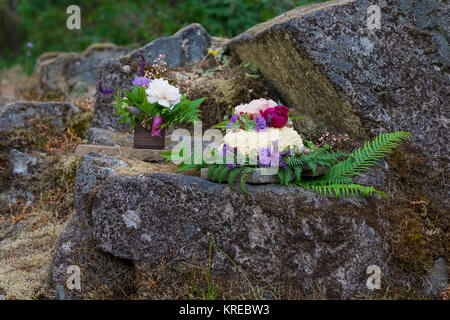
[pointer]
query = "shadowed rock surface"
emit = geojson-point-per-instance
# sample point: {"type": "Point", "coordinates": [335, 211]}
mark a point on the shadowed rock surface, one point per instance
{"type": "Point", "coordinates": [325, 62]}
{"type": "Point", "coordinates": [188, 45]}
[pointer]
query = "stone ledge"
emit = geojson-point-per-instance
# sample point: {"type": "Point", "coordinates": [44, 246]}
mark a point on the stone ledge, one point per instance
{"type": "Point", "coordinates": [130, 153]}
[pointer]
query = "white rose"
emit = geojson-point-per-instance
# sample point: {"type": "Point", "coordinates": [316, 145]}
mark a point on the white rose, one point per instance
{"type": "Point", "coordinates": [159, 90]}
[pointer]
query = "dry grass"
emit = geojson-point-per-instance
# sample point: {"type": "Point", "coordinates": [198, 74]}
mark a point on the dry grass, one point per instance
{"type": "Point", "coordinates": [16, 85]}
{"type": "Point", "coordinates": [25, 258]}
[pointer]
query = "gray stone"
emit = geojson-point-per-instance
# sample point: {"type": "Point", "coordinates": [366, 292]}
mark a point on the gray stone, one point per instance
{"type": "Point", "coordinates": [437, 278]}
{"type": "Point", "coordinates": [100, 136]}
{"type": "Point", "coordinates": [21, 162]}
{"type": "Point", "coordinates": [17, 114]}
{"type": "Point", "coordinates": [277, 234]}
{"type": "Point", "coordinates": [99, 272]}
{"type": "Point", "coordinates": [76, 245]}
{"type": "Point", "coordinates": [328, 65]}
{"type": "Point", "coordinates": [67, 72]}
{"type": "Point", "coordinates": [188, 45]}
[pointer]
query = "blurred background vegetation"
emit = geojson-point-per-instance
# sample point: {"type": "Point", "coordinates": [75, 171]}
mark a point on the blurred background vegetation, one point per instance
{"type": "Point", "coordinates": [131, 23]}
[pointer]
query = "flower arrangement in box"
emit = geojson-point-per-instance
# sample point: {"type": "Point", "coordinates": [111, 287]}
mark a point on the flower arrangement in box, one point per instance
{"type": "Point", "coordinates": [260, 136]}
{"type": "Point", "coordinates": [151, 106]}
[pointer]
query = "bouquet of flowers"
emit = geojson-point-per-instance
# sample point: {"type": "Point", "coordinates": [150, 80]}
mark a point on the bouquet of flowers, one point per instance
{"type": "Point", "coordinates": [260, 135]}
{"type": "Point", "coordinates": [154, 103]}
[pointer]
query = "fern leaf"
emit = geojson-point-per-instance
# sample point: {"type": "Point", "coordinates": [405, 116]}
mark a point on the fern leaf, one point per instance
{"type": "Point", "coordinates": [211, 170]}
{"type": "Point", "coordinates": [242, 183]}
{"type": "Point", "coordinates": [223, 174]}
{"type": "Point", "coordinates": [298, 173]}
{"type": "Point", "coordinates": [287, 175]}
{"type": "Point", "coordinates": [345, 190]}
{"type": "Point", "coordinates": [363, 158]}
{"type": "Point", "coordinates": [232, 176]}
{"type": "Point", "coordinates": [217, 171]}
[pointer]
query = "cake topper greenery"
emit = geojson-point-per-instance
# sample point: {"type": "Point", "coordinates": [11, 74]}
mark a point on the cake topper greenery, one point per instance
{"type": "Point", "coordinates": [249, 145]}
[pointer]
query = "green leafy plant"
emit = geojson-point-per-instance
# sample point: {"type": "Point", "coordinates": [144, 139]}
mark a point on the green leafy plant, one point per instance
{"type": "Point", "coordinates": [133, 107]}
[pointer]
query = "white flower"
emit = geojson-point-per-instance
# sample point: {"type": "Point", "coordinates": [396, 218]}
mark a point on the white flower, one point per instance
{"type": "Point", "coordinates": [159, 90]}
{"type": "Point", "coordinates": [247, 141]}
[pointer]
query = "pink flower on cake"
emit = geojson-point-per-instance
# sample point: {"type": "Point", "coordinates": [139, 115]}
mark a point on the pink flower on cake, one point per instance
{"type": "Point", "coordinates": [254, 107]}
{"type": "Point", "coordinates": [276, 117]}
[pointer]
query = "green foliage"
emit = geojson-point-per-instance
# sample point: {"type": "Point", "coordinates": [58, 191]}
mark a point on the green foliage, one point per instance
{"type": "Point", "coordinates": [337, 182]}
{"type": "Point", "coordinates": [185, 111]}
{"type": "Point", "coordinates": [343, 190]}
{"type": "Point", "coordinates": [317, 156]}
{"type": "Point", "coordinates": [363, 158]}
{"type": "Point", "coordinates": [211, 290]}
{"type": "Point", "coordinates": [219, 173]}
{"type": "Point", "coordinates": [43, 22]}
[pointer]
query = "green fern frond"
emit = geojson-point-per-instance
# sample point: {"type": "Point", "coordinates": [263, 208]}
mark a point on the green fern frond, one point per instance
{"type": "Point", "coordinates": [363, 158]}
{"type": "Point", "coordinates": [313, 167]}
{"type": "Point", "coordinates": [217, 171]}
{"type": "Point", "coordinates": [233, 174]}
{"type": "Point", "coordinates": [242, 183]}
{"type": "Point", "coordinates": [211, 169]}
{"type": "Point", "coordinates": [298, 174]}
{"type": "Point", "coordinates": [285, 175]}
{"type": "Point", "coordinates": [280, 176]}
{"type": "Point", "coordinates": [223, 174]}
{"type": "Point", "coordinates": [344, 190]}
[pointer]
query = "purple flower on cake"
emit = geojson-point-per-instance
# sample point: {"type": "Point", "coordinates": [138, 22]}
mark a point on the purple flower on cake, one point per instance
{"type": "Point", "coordinates": [233, 119]}
{"type": "Point", "coordinates": [141, 81]}
{"type": "Point", "coordinates": [264, 157]}
{"type": "Point", "coordinates": [260, 123]}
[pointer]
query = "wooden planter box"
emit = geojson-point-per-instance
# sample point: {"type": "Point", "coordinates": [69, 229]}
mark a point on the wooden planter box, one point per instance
{"type": "Point", "coordinates": [143, 139]}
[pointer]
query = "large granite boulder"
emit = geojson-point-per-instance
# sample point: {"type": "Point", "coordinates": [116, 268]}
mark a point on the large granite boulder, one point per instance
{"type": "Point", "coordinates": [277, 234]}
{"type": "Point", "coordinates": [188, 45]}
{"type": "Point", "coordinates": [68, 73]}
{"type": "Point", "coordinates": [329, 65]}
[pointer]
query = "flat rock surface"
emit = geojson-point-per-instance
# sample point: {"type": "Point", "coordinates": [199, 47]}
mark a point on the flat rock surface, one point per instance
{"type": "Point", "coordinates": [130, 153]}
